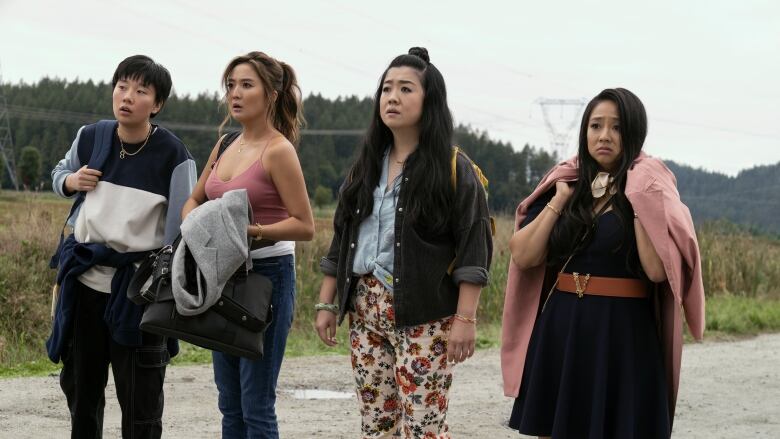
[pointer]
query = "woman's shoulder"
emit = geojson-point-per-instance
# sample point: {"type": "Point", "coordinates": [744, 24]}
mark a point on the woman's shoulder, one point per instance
{"type": "Point", "coordinates": [648, 169]}
{"type": "Point", "coordinates": [279, 147]}
{"type": "Point", "coordinates": [650, 164]}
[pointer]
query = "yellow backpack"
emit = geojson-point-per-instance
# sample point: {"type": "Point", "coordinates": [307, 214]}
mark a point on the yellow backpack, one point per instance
{"type": "Point", "coordinates": [454, 163]}
{"type": "Point", "coordinates": [482, 179]}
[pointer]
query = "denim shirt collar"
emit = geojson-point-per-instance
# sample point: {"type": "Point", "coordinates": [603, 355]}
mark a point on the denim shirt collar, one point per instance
{"type": "Point", "coordinates": [386, 173]}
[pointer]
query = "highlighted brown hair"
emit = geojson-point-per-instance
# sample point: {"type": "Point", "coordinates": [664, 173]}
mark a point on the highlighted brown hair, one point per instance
{"type": "Point", "coordinates": [286, 112]}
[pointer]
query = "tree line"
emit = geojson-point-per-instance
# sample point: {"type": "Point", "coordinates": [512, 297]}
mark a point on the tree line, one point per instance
{"type": "Point", "coordinates": [46, 115]}
{"type": "Point", "coordinates": [751, 198]}
{"type": "Point", "coordinates": [325, 159]}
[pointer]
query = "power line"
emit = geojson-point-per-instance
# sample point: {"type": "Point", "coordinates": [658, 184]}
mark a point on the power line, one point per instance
{"type": "Point", "coordinates": [554, 133]}
{"type": "Point", "coordinates": [716, 128]}
{"type": "Point", "coordinates": [50, 115]}
{"type": "Point", "coordinates": [346, 66]}
{"type": "Point", "coordinates": [324, 59]}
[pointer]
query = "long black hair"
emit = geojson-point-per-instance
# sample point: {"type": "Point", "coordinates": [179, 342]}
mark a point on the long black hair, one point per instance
{"type": "Point", "coordinates": [426, 171]}
{"type": "Point", "coordinates": [568, 231]}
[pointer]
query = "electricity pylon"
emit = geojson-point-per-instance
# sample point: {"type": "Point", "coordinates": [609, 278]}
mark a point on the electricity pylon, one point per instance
{"type": "Point", "coordinates": [6, 140]}
{"type": "Point", "coordinates": [560, 127]}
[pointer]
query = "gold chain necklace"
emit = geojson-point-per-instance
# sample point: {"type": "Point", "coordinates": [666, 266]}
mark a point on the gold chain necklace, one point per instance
{"type": "Point", "coordinates": [400, 162]}
{"type": "Point", "coordinates": [123, 152]}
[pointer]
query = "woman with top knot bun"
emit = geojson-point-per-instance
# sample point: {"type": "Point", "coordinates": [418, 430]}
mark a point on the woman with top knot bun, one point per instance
{"type": "Point", "coordinates": [410, 253]}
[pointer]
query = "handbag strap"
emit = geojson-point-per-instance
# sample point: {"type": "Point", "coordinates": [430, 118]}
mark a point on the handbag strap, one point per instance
{"type": "Point", "coordinates": [142, 274]}
{"type": "Point", "coordinates": [135, 291]}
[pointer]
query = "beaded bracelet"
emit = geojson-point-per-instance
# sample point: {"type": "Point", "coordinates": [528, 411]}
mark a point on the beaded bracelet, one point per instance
{"type": "Point", "coordinates": [331, 307]}
{"type": "Point", "coordinates": [465, 319]}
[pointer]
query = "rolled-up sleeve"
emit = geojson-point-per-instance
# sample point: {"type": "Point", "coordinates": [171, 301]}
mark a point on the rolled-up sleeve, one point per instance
{"type": "Point", "coordinates": [473, 228]}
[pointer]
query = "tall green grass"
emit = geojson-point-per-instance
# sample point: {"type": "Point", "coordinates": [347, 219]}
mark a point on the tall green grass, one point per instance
{"type": "Point", "coordinates": [741, 276]}
{"type": "Point", "coordinates": [28, 235]}
{"type": "Point", "coordinates": [736, 261]}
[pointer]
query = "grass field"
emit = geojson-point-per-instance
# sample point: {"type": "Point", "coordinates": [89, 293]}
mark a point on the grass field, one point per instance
{"type": "Point", "coordinates": [741, 276]}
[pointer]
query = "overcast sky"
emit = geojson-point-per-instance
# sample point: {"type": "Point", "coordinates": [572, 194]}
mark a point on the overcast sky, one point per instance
{"type": "Point", "coordinates": [707, 71]}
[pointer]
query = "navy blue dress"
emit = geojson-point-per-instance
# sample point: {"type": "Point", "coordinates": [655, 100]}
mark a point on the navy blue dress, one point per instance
{"type": "Point", "coordinates": [594, 365]}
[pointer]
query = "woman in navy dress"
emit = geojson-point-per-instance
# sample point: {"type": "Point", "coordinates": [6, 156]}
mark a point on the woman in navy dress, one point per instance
{"type": "Point", "coordinates": [594, 366]}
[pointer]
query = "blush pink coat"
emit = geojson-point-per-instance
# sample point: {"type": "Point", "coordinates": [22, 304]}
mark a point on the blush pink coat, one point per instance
{"type": "Point", "coordinates": [651, 188]}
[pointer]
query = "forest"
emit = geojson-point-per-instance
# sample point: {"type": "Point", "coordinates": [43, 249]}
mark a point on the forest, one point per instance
{"type": "Point", "coordinates": [46, 115]}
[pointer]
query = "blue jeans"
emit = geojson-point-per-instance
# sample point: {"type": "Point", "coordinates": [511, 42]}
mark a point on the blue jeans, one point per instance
{"type": "Point", "coordinates": [247, 388]}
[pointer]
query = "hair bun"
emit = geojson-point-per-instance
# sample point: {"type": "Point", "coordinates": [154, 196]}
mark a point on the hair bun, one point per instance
{"type": "Point", "coordinates": [420, 52]}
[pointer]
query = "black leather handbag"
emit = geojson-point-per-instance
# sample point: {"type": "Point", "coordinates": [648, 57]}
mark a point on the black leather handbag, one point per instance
{"type": "Point", "coordinates": [235, 324]}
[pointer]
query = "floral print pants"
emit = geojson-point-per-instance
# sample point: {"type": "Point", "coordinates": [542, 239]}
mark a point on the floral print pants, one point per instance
{"type": "Point", "coordinates": [402, 375]}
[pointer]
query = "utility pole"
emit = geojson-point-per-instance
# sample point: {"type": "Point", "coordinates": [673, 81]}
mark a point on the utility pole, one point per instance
{"type": "Point", "coordinates": [560, 127]}
{"type": "Point", "coordinates": [6, 140]}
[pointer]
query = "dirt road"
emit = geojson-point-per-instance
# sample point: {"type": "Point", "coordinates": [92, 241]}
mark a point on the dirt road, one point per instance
{"type": "Point", "coordinates": [728, 390]}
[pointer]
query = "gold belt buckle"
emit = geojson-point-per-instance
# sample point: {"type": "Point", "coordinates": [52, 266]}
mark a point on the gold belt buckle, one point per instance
{"type": "Point", "coordinates": [580, 289]}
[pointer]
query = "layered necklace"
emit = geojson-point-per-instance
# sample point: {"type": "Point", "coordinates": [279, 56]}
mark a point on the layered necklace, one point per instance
{"type": "Point", "coordinates": [123, 152]}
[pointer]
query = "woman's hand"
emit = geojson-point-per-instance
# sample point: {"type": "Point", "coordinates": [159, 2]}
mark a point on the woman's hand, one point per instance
{"type": "Point", "coordinates": [325, 324]}
{"type": "Point", "coordinates": [462, 341]}
{"type": "Point", "coordinates": [563, 193]}
{"type": "Point", "coordinates": [528, 246]}
{"type": "Point", "coordinates": [83, 180]}
{"type": "Point", "coordinates": [252, 231]}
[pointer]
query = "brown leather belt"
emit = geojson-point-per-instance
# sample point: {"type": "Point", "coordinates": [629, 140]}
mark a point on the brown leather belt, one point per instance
{"type": "Point", "coordinates": [580, 284]}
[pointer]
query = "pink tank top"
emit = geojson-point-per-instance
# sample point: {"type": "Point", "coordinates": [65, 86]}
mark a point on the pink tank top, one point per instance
{"type": "Point", "coordinates": [267, 206]}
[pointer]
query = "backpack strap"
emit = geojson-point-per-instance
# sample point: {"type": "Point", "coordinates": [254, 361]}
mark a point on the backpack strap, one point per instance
{"type": "Point", "coordinates": [101, 149]}
{"type": "Point", "coordinates": [454, 166]}
{"type": "Point", "coordinates": [454, 176]}
{"type": "Point", "coordinates": [227, 139]}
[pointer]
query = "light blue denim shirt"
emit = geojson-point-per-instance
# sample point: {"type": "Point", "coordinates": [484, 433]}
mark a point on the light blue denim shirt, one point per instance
{"type": "Point", "coordinates": [375, 251]}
